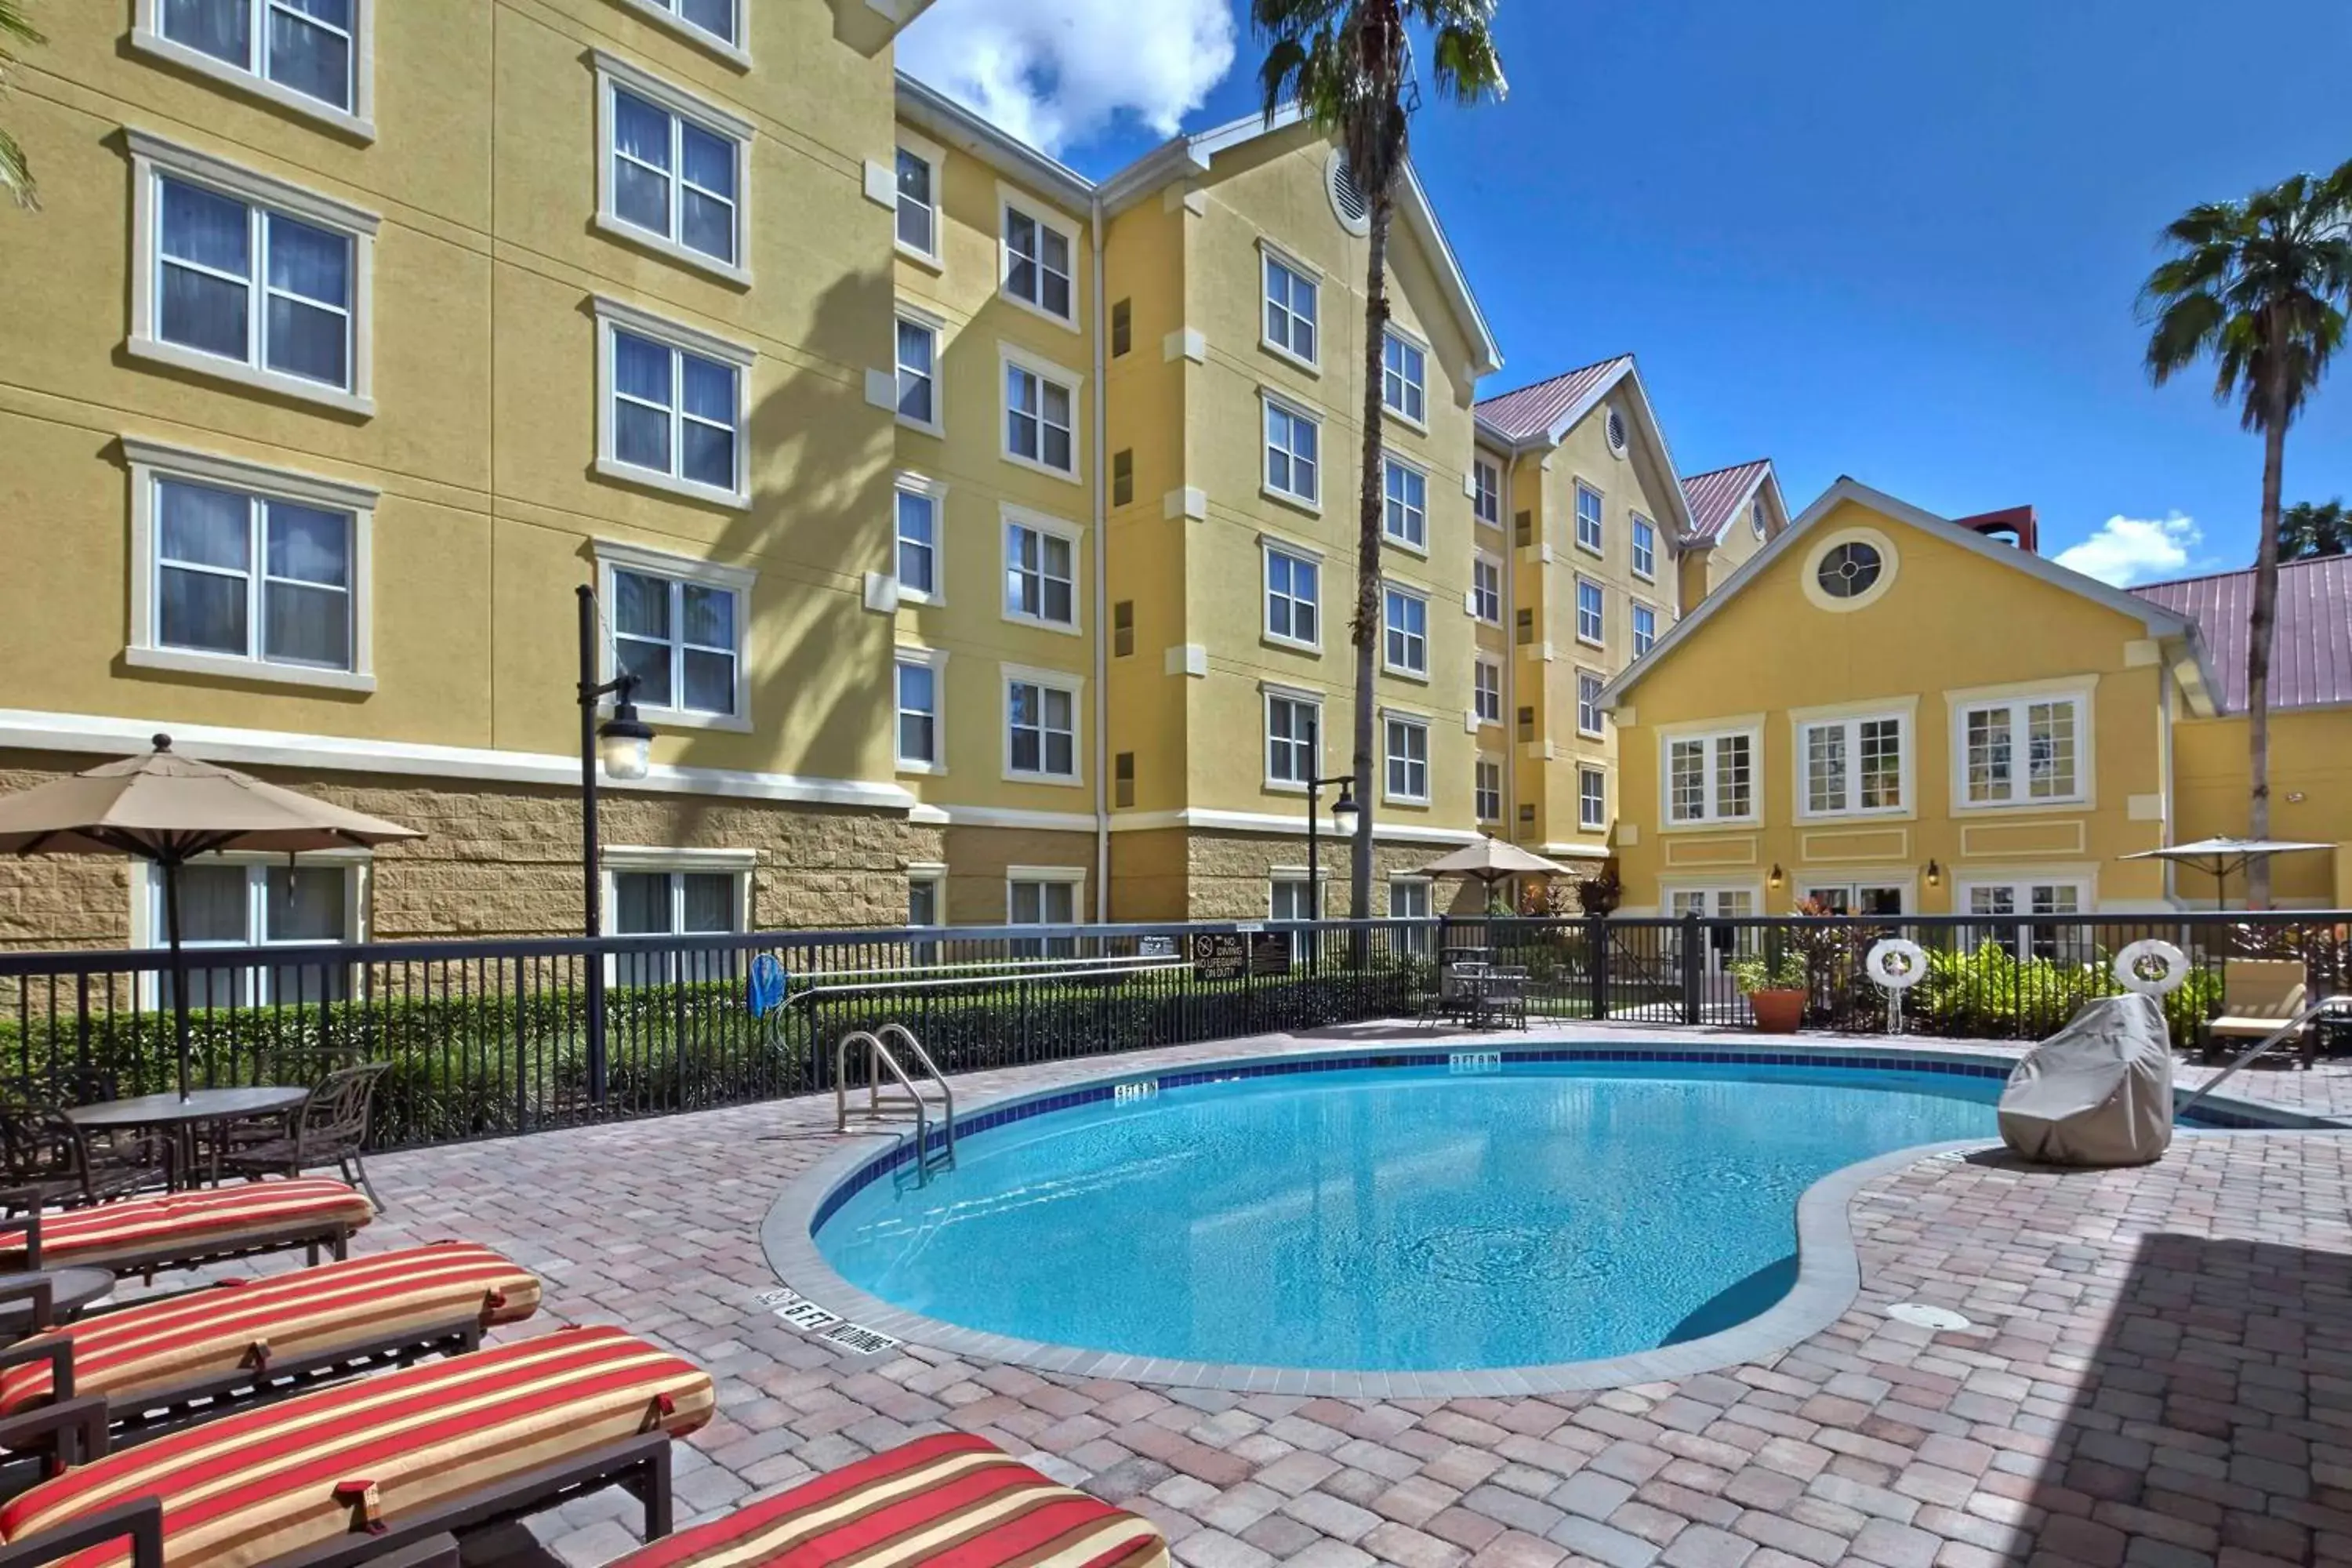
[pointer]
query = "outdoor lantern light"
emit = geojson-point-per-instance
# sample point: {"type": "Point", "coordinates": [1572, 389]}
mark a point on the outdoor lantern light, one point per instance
{"type": "Point", "coordinates": [1935, 875]}
{"type": "Point", "coordinates": [1343, 810]}
{"type": "Point", "coordinates": [625, 743]}
{"type": "Point", "coordinates": [1778, 875]}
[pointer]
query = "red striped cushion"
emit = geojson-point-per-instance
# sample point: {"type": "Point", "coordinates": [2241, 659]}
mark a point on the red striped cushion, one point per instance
{"type": "Point", "coordinates": [210, 1215]}
{"type": "Point", "coordinates": [952, 1502]}
{"type": "Point", "coordinates": [252, 1322]}
{"type": "Point", "coordinates": [262, 1483]}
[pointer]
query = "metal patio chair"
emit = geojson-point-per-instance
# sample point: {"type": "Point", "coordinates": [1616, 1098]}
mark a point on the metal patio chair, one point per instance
{"type": "Point", "coordinates": [43, 1154]}
{"type": "Point", "coordinates": [329, 1128]}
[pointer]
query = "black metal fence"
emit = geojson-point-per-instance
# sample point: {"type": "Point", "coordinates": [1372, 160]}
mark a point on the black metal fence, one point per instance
{"type": "Point", "coordinates": [487, 1038]}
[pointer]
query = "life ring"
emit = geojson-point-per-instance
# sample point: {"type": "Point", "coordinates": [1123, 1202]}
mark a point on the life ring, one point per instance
{"type": "Point", "coordinates": [2170, 961]}
{"type": "Point", "coordinates": [1896, 963]}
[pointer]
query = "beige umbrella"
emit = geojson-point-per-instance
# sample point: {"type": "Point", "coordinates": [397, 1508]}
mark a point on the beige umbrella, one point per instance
{"type": "Point", "coordinates": [1491, 860]}
{"type": "Point", "coordinates": [168, 808]}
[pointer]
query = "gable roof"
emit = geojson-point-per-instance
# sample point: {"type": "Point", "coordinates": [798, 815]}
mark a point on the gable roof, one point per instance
{"type": "Point", "coordinates": [936, 114]}
{"type": "Point", "coordinates": [1718, 497]}
{"type": "Point", "coordinates": [1543, 414]}
{"type": "Point", "coordinates": [2311, 657]}
{"type": "Point", "coordinates": [2160, 621]}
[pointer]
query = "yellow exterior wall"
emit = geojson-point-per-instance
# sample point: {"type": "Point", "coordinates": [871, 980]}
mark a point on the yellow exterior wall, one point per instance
{"type": "Point", "coordinates": [2311, 802]}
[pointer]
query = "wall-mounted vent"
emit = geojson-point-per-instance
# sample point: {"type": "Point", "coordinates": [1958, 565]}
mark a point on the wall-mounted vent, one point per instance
{"type": "Point", "coordinates": [1522, 528]}
{"type": "Point", "coordinates": [1527, 723]}
{"type": "Point", "coordinates": [1123, 476]}
{"type": "Point", "coordinates": [1122, 328]}
{"type": "Point", "coordinates": [1122, 630]}
{"type": "Point", "coordinates": [1122, 773]}
{"type": "Point", "coordinates": [1526, 627]}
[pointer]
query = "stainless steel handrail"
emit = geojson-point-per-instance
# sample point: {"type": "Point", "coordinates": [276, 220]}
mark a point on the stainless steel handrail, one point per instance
{"type": "Point", "coordinates": [947, 1095]}
{"type": "Point", "coordinates": [2285, 1031]}
{"type": "Point", "coordinates": [878, 1057]}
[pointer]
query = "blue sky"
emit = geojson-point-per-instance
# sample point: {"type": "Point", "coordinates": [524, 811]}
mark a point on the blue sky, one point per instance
{"type": "Point", "coordinates": [1894, 240]}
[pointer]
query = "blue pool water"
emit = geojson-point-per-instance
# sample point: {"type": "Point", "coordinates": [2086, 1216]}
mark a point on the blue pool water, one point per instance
{"type": "Point", "coordinates": [1392, 1220]}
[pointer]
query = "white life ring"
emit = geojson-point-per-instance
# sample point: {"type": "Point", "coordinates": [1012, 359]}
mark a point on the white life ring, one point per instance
{"type": "Point", "coordinates": [1896, 963]}
{"type": "Point", "coordinates": [2172, 964]}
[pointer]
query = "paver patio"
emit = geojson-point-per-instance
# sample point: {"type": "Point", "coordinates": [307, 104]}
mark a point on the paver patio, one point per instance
{"type": "Point", "coordinates": [2159, 1373]}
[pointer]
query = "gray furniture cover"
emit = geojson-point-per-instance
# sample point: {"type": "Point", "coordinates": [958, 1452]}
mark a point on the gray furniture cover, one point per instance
{"type": "Point", "coordinates": [2097, 1092]}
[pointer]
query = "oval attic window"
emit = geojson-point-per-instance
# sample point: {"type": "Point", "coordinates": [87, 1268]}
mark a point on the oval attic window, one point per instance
{"type": "Point", "coordinates": [1616, 429]}
{"type": "Point", "coordinates": [1348, 198]}
{"type": "Point", "coordinates": [1849, 571]}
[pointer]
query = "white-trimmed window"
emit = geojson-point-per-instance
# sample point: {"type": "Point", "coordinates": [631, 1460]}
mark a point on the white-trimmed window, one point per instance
{"type": "Point", "coordinates": [257, 901]}
{"type": "Point", "coordinates": [1407, 756]}
{"type": "Point", "coordinates": [685, 893]}
{"type": "Point", "coordinates": [919, 202]}
{"type": "Point", "coordinates": [1486, 690]}
{"type": "Point", "coordinates": [243, 276]}
{"type": "Point", "coordinates": [1486, 589]}
{"type": "Point", "coordinates": [1294, 730]}
{"type": "Point", "coordinates": [1409, 900]}
{"type": "Point", "coordinates": [1645, 548]}
{"type": "Point", "coordinates": [1406, 512]}
{"type": "Point", "coordinates": [1591, 621]}
{"type": "Point", "coordinates": [249, 572]}
{"type": "Point", "coordinates": [1589, 533]}
{"type": "Point", "coordinates": [1853, 767]}
{"type": "Point", "coordinates": [1041, 726]}
{"type": "Point", "coordinates": [919, 503]}
{"type": "Point", "coordinates": [1292, 309]}
{"type": "Point", "coordinates": [918, 373]}
{"type": "Point", "coordinates": [308, 54]}
{"type": "Point", "coordinates": [2059, 899]}
{"type": "Point", "coordinates": [1040, 572]}
{"type": "Point", "coordinates": [1486, 790]}
{"type": "Point", "coordinates": [1405, 619]}
{"type": "Point", "coordinates": [678, 625]}
{"type": "Point", "coordinates": [1864, 899]}
{"type": "Point", "coordinates": [1592, 800]}
{"type": "Point", "coordinates": [927, 902]}
{"type": "Point", "coordinates": [1294, 443]}
{"type": "Point", "coordinates": [1404, 378]}
{"type": "Point", "coordinates": [1587, 704]}
{"type": "Point", "coordinates": [920, 678]}
{"type": "Point", "coordinates": [1711, 778]}
{"type": "Point", "coordinates": [1645, 629]}
{"type": "Point", "coordinates": [1041, 417]}
{"type": "Point", "coordinates": [1294, 585]}
{"type": "Point", "coordinates": [1043, 896]}
{"type": "Point", "coordinates": [718, 21]}
{"type": "Point", "coordinates": [2027, 751]}
{"type": "Point", "coordinates": [1286, 900]}
{"type": "Point", "coordinates": [1037, 262]}
{"type": "Point", "coordinates": [672, 405]}
{"type": "Point", "coordinates": [1486, 492]}
{"type": "Point", "coordinates": [672, 169]}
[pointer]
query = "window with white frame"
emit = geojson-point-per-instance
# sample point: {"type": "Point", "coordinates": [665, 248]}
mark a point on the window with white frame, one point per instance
{"type": "Point", "coordinates": [919, 676]}
{"type": "Point", "coordinates": [1853, 765]}
{"type": "Point", "coordinates": [1592, 800]}
{"type": "Point", "coordinates": [258, 903]}
{"type": "Point", "coordinates": [927, 903]}
{"type": "Point", "coordinates": [918, 503]}
{"type": "Point", "coordinates": [1292, 598]}
{"type": "Point", "coordinates": [1040, 421]}
{"type": "Point", "coordinates": [1486, 690]}
{"type": "Point", "coordinates": [1409, 899]}
{"type": "Point", "coordinates": [1486, 492]}
{"type": "Point", "coordinates": [1407, 510]}
{"type": "Point", "coordinates": [1288, 898]}
{"type": "Point", "coordinates": [1486, 790]}
{"type": "Point", "coordinates": [1039, 575]}
{"type": "Point", "coordinates": [674, 403]}
{"type": "Point", "coordinates": [310, 49]}
{"type": "Point", "coordinates": [688, 900]}
{"type": "Point", "coordinates": [918, 203]}
{"type": "Point", "coordinates": [1293, 448]}
{"type": "Point", "coordinates": [1037, 254]}
{"type": "Point", "coordinates": [680, 636]}
{"type": "Point", "coordinates": [1405, 619]}
{"type": "Point", "coordinates": [1864, 899]}
{"type": "Point", "coordinates": [1041, 722]}
{"type": "Point", "coordinates": [1292, 300]}
{"type": "Point", "coordinates": [673, 166]}
{"type": "Point", "coordinates": [1645, 629]}
{"type": "Point", "coordinates": [1294, 727]}
{"type": "Point", "coordinates": [1645, 548]}
{"type": "Point", "coordinates": [2057, 900]}
{"type": "Point", "coordinates": [2022, 752]}
{"type": "Point", "coordinates": [717, 18]}
{"type": "Point", "coordinates": [248, 277]}
{"type": "Point", "coordinates": [1034, 899]}
{"type": "Point", "coordinates": [1590, 620]}
{"type": "Point", "coordinates": [1589, 535]}
{"type": "Point", "coordinates": [243, 568]}
{"type": "Point", "coordinates": [1404, 376]}
{"type": "Point", "coordinates": [1588, 703]}
{"type": "Point", "coordinates": [1486, 589]}
{"type": "Point", "coordinates": [1407, 754]}
{"type": "Point", "coordinates": [1711, 778]}
{"type": "Point", "coordinates": [918, 373]}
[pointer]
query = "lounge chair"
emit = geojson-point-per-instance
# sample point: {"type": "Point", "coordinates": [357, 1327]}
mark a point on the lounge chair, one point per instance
{"type": "Point", "coordinates": [2259, 995]}
{"type": "Point", "coordinates": [953, 1498]}
{"type": "Point", "coordinates": [329, 1128]}
{"type": "Point", "coordinates": [181, 1230]}
{"type": "Point", "coordinates": [377, 1468]}
{"type": "Point", "coordinates": [157, 1363]}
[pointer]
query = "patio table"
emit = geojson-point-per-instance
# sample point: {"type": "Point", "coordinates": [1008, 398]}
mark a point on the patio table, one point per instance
{"type": "Point", "coordinates": [182, 1116]}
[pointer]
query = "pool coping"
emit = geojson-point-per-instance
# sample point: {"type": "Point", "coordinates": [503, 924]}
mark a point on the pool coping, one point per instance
{"type": "Point", "coordinates": [1829, 1269]}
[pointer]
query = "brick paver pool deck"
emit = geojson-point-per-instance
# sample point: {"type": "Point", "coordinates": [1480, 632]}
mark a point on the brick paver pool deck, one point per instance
{"type": "Point", "coordinates": [2158, 1372]}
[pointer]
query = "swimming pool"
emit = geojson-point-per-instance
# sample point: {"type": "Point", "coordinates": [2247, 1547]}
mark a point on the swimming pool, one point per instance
{"type": "Point", "coordinates": [1432, 1212]}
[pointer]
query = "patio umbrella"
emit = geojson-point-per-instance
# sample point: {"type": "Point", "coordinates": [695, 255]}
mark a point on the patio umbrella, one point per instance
{"type": "Point", "coordinates": [2216, 857]}
{"type": "Point", "coordinates": [167, 808]}
{"type": "Point", "coordinates": [1491, 860]}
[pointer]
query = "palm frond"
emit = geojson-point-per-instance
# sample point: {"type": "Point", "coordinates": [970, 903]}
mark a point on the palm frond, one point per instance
{"type": "Point", "coordinates": [16, 33]}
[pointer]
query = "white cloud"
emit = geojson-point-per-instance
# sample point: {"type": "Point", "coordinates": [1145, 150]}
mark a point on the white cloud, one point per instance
{"type": "Point", "coordinates": [2129, 550]}
{"type": "Point", "coordinates": [1053, 72]}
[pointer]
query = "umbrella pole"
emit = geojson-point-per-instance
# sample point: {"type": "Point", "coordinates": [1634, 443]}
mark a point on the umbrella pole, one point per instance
{"type": "Point", "coordinates": [179, 967]}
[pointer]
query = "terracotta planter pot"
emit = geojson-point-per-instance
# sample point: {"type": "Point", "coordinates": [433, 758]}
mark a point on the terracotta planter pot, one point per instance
{"type": "Point", "coordinates": [1777, 1011]}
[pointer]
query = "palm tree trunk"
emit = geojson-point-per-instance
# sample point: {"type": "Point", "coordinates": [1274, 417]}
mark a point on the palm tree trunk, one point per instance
{"type": "Point", "coordinates": [1368, 559]}
{"type": "Point", "coordinates": [2260, 625]}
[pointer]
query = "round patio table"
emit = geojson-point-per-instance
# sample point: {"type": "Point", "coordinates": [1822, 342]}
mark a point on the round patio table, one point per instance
{"type": "Point", "coordinates": [71, 1289]}
{"type": "Point", "coordinates": [182, 1117]}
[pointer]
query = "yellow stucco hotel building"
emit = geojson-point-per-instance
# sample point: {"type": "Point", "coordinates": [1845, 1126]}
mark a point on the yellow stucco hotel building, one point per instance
{"type": "Point", "coordinates": [981, 535]}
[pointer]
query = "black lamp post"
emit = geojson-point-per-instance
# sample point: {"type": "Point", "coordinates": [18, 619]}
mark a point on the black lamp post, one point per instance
{"type": "Point", "coordinates": [1343, 818]}
{"type": "Point", "coordinates": [624, 743]}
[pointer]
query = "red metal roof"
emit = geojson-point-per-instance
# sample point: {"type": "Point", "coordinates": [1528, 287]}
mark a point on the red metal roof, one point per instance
{"type": "Point", "coordinates": [1714, 498]}
{"type": "Point", "coordinates": [1534, 410]}
{"type": "Point", "coordinates": [2311, 659]}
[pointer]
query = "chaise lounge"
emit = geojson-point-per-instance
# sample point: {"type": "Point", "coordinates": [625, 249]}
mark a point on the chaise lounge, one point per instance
{"type": "Point", "coordinates": [182, 1230]}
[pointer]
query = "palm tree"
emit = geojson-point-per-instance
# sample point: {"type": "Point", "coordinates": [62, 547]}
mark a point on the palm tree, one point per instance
{"type": "Point", "coordinates": [1348, 65]}
{"type": "Point", "coordinates": [16, 31]}
{"type": "Point", "coordinates": [2309, 531]}
{"type": "Point", "coordinates": [2260, 287]}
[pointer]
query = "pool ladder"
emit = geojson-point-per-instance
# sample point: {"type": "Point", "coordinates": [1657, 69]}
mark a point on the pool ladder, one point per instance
{"type": "Point", "coordinates": [880, 1059]}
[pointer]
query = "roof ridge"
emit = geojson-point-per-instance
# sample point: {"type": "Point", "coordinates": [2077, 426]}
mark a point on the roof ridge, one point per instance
{"type": "Point", "coordinates": [1561, 376]}
{"type": "Point", "coordinates": [1727, 468]}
